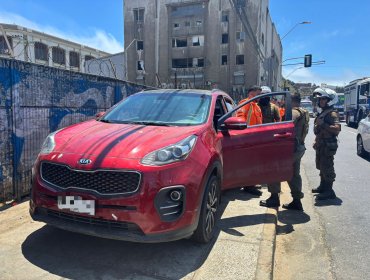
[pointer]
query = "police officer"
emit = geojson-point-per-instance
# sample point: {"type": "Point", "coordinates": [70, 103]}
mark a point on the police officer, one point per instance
{"type": "Point", "coordinates": [326, 129]}
{"type": "Point", "coordinates": [270, 113]}
{"type": "Point", "coordinates": [301, 119]}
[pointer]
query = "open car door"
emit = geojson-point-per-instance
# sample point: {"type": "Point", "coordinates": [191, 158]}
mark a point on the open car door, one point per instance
{"type": "Point", "coordinates": [256, 154]}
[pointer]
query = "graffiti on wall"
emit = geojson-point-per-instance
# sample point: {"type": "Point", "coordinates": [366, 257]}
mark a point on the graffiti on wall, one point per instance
{"type": "Point", "coordinates": [36, 100]}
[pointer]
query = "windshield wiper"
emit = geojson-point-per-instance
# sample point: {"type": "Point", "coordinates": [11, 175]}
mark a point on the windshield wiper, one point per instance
{"type": "Point", "coordinates": [151, 123]}
{"type": "Point", "coordinates": [106, 121]}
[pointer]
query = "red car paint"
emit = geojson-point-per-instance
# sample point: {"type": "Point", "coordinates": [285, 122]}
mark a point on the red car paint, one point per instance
{"type": "Point", "coordinates": [259, 154]}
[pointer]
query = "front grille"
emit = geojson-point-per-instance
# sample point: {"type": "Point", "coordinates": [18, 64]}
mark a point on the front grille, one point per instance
{"type": "Point", "coordinates": [104, 182]}
{"type": "Point", "coordinates": [93, 222]}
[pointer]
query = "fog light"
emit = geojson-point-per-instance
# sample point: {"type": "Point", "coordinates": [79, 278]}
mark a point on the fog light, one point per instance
{"type": "Point", "coordinates": [175, 195]}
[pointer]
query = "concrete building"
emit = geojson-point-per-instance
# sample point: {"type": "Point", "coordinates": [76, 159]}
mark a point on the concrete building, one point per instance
{"type": "Point", "coordinates": [33, 46]}
{"type": "Point", "coordinates": [228, 44]}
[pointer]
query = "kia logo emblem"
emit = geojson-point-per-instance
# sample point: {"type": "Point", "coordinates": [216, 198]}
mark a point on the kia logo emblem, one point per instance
{"type": "Point", "coordinates": [84, 161]}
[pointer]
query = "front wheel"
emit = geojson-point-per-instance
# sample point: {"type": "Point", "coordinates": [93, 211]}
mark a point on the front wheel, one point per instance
{"type": "Point", "coordinates": [208, 214]}
{"type": "Point", "coordinates": [360, 147]}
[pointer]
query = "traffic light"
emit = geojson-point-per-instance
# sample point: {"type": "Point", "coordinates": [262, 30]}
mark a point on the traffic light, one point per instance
{"type": "Point", "coordinates": [308, 60]}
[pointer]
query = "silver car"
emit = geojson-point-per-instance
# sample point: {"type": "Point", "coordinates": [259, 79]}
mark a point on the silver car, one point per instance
{"type": "Point", "coordinates": [363, 137]}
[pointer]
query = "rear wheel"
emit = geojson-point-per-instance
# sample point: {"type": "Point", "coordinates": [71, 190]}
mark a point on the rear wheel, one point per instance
{"type": "Point", "coordinates": [208, 212]}
{"type": "Point", "coordinates": [360, 147]}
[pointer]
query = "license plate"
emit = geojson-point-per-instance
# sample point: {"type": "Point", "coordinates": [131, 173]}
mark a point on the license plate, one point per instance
{"type": "Point", "coordinates": [76, 204]}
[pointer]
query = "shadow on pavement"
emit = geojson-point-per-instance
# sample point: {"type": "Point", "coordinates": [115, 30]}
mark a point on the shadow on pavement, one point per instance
{"type": "Point", "coordinates": [330, 202]}
{"type": "Point", "coordinates": [288, 218]}
{"type": "Point", "coordinates": [77, 256]}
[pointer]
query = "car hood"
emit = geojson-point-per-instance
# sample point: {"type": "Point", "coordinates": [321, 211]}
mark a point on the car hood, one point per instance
{"type": "Point", "coordinates": [118, 140]}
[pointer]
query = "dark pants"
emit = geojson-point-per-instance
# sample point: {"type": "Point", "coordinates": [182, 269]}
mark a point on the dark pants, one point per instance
{"type": "Point", "coordinates": [325, 163]}
{"type": "Point", "coordinates": [295, 184]}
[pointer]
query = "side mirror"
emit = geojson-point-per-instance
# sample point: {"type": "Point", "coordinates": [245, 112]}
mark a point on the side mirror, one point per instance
{"type": "Point", "coordinates": [235, 123]}
{"type": "Point", "coordinates": [99, 115]}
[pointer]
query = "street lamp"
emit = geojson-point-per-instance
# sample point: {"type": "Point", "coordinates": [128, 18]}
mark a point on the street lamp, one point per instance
{"type": "Point", "coordinates": [126, 66]}
{"type": "Point", "coordinates": [303, 22]}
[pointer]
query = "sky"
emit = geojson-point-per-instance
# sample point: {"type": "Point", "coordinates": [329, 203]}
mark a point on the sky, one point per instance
{"type": "Point", "coordinates": [339, 33]}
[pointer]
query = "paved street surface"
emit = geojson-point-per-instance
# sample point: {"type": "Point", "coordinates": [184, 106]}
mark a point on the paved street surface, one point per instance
{"type": "Point", "coordinates": [330, 240]}
{"type": "Point", "coordinates": [31, 250]}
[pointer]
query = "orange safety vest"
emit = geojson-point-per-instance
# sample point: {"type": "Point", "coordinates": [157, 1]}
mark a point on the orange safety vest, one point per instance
{"type": "Point", "coordinates": [282, 112]}
{"type": "Point", "coordinates": [251, 112]}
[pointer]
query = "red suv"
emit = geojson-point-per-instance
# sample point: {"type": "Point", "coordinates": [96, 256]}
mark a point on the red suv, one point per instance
{"type": "Point", "coordinates": [152, 168]}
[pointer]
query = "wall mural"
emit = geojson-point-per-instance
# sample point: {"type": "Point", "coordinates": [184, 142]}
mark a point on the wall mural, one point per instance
{"type": "Point", "coordinates": [36, 100]}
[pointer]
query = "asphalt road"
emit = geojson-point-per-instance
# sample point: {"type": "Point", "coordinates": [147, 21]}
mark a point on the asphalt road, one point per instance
{"type": "Point", "coordinates": [346, 220]}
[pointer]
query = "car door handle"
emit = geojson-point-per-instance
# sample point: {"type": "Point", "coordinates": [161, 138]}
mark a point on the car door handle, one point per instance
{"type": "Point", "coordinates": [283, 135]}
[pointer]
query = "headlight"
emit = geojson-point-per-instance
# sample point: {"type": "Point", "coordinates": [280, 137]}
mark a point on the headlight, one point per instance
{"type": "Point", "coordinates": [49, 144]}
{"type": "Point", "coordinates": [172, 153]}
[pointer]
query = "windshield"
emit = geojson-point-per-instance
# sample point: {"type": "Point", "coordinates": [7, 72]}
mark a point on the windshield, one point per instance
{"type": "Point", "coordinates": [180, 109]}
{"type": "Point", "coordinates": [307, 105]}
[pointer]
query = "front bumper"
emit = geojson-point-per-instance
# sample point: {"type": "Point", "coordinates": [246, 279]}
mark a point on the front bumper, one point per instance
{"type": "Point", "coordinates": [104, 228]}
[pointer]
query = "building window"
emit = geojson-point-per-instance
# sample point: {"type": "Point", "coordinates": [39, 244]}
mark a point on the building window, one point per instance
{"type": "Point", "coordinates": [198, 23]}
{"type": "Point", "coordinates": [59, 55]}
{"type": "Point", "coordinates": [187, 23]}
{"type": "Point", "coordinates": [139, 45]}
{"type": "Point", "coordinates": [89, 57]}
{"type": "Point", "coordinates": [224, 60]}
{"type": "Point", "coordinates": [198, 62]}
{"type": "Point", "coordinates": [41, 51]}
{"type": "Point", "coordinates": [74, 59]}
{"type": "Point", "coordinates": [179, 42]}
{"type": "Point", "coordinates": [140, 65]}
{"type": "Point", "coordinates": [182, 63]}
{"type": "Point", "coordinates": [139, 14]}
{"type": "Point", "coordinates": [225, 39]}
{"type": "Point", "coordinates": [198, 40]}
{"type": "Point", "coordinates": [240, 36]}
{"type": "Point", "coordinates": [225, 17]}
{"type": "Point", "coordinates": [263, 39]}
{"type": "Point", "coordinates": [240, 59]}
{"type": "Point", "coordinates": [176, 25]}
{"type": "Point", "coordinates": [3, 45]}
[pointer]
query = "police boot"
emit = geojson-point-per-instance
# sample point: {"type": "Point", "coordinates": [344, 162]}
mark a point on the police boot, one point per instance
{"type": "Point", "coordinates": [320, 188]}
{"type": "Point", "coordinates": [272, 201]}
{"type": "Point", "coordinates": [328, 192]}
{"type": "Point", "coordinates": [296, 204]}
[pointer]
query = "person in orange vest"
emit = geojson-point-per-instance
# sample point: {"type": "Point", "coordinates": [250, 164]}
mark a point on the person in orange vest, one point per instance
{"type": "Point", "coordinates": [282, 110]}
{"type": "Point", "coordinates": [251, 112]}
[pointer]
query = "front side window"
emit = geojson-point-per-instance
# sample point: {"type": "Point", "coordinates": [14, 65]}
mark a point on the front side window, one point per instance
{"type": "Point", "coordinates": [162, 109]}
{"type": "Point", "coordinates": [59, 55]}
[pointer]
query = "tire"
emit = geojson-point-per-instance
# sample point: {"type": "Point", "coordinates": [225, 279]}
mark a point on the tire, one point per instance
{"type": "Point", "coordinates": [360, 147]}
{"type": "Point", "coordinates": [208, 215]}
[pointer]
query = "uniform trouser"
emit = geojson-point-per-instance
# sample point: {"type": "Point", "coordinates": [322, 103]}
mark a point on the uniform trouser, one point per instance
{"type": "Point", "coordinates": [295, 184]}
{"type": "Point", "coordinates": [274, 187]}
{"type": "Point", "coordinates": [325, 163]}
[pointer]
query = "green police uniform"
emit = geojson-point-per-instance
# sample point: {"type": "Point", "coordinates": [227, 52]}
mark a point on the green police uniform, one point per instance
{"type": "Point", "coordinates": [326, 146]}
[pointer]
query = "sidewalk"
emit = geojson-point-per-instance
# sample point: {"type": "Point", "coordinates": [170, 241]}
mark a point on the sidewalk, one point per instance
{"type": "Point", "coordinates": [243, 248]}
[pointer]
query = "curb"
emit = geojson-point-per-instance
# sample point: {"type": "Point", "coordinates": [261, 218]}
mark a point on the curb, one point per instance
{"type": "Point", "coordinates": [266, 254]}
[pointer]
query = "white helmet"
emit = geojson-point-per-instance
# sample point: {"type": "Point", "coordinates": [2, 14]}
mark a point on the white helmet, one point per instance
{"type": "Point", "coordinates": [265, 89]}
{"type": "Point", "coordinates": [326, 93]}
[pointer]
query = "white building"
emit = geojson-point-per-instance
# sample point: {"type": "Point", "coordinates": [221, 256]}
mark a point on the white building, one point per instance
{"type": "Point", "coordinates": [29, 45]}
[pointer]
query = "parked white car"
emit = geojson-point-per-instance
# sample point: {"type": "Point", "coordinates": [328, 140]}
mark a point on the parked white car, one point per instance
{"type": "Point", "coordinates": [363, 137]}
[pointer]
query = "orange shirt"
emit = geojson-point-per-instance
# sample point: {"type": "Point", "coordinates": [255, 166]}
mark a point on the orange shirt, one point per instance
{"type": "Point", "coordinates": [251, 112]}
